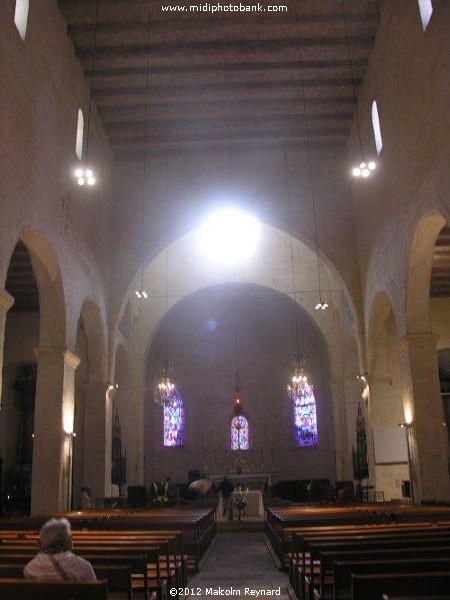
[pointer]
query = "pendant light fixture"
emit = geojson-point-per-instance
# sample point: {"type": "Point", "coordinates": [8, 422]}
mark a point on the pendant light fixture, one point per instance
{"type": "Point", "coordinates": [166, 392]}
{"type": "Point", "coordinates": [365, 167]}
{"type": "Point", "coordinates": [299, 379]}
{"type": "Point", "coordinates": [299, 390]}
{"type": "Point", "coordinates": [141, 292]}
{"type": "Point", "coordinates": [85, 174]}
{"type": "Point", "coordinates": [321, 304]}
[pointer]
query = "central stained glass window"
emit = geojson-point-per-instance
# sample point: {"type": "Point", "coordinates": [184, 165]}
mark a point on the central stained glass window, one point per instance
{"type": "Point", "coordinates": [305, 417]}
{"type": "Point", "coordinates": [239, 433]}
{"type": "Point", "coordinates": [174, 421]}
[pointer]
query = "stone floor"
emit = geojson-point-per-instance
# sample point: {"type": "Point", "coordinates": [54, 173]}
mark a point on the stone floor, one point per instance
{"type": "Point", "coordinates": [239, 564]}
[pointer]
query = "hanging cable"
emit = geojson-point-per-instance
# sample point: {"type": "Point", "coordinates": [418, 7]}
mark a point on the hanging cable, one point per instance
{"type": "Point", "coordinates": [85, 173]}
{"type": "Point", "coordinates": [320, 305]}
{"type": "Point", "coordinates": [365, 168]}
{"type": "Point", "coordinates": [141, 293]}
{"type": "Point", "coordinates": [288, 195]}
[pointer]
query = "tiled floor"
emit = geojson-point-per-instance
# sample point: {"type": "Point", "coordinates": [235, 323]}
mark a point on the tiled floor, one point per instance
{"type": "Point", "coordinates": [239, 563]}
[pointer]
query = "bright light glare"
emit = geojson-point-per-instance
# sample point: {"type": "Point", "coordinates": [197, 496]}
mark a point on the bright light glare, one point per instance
{"type": "Point", "coordinates": [230, 235]}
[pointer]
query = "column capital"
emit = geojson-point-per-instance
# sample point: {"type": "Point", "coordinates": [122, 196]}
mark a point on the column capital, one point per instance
{"type": "Point", "coordinates": [413, 339]}
{"type": "Point", "coordinates": [66, 355]}
{"type": "Point", "coordinates": [6, 300]}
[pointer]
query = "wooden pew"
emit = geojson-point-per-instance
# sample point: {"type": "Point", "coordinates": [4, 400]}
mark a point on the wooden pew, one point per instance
{"type": "Point", "coordinates": [170, 542]}
{"type": "Point", "coordinates": [22, 589]}
{"type": "Point", "coordinates": [343, 571]}
{"type": "Point", "coordinates": [118, 577]}
{"type": "Point", "coordinates": [300, 559]}
{"type": "Point", "coordinates": [316, 576]}
{"type": "Point", "coordinates": [372, 587]}
{"type": "Point", "coordinates": [146, 576]}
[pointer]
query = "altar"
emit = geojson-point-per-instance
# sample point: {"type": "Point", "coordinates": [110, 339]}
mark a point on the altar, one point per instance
{"type": "Point", "coordinates": [256, 480]}
{"type": "Point", "coordinates": [255, 504]}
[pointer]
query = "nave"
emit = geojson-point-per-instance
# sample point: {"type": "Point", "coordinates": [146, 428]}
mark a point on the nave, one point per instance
{"type": "Point", "coordinates": [239, 560]}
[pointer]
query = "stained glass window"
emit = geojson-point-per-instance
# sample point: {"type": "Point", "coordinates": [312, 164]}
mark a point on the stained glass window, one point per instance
{"type": "Point", "coordinates": [305, 417]}
{"type": "Point", "coordinates": [174, 421]}
{"type": "Point", "coordinates": [239, 433]}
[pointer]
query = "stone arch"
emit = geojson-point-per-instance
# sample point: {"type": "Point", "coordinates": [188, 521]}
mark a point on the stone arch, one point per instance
{"type": "Point", "coordinates": [418, 273]}
{"type": "Point", "coordinates": [95, 336]}
{"type": "Point", "coordinates": [190, 271]}
{"type": "Point", "coordinates": [379, 312]}
{"type": "Point", "coordinates": [47, 271]}
{"type": "Point", "coordinates": [204, 371]}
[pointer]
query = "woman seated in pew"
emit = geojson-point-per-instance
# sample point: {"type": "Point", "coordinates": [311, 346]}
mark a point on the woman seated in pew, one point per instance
{"type": "Point", "coordinates": [55, 559]}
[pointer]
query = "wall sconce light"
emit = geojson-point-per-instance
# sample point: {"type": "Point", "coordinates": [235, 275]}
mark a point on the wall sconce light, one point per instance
{"type": "Point", "coordinates": [364, 378]}
{"type": "Point", "coordinates": [111, 391]}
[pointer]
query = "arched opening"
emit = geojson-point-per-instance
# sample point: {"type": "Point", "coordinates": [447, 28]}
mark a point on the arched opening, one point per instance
{"type": "Point", "coordinates": [440, 315]}
{"type": "Point", "coordinates": [21, 16]}
{"type": "Point", "coordinates": [80, 135]}
{"type": "Point", "coordinates": [198, 333]}
{"type": "Point", "coordinates": [376, 128]}
{"type": "Point", "coordinates": [426, 10]}
{"type": "Point", "coordinates": [37, 320]}
{"type": "Point", "coordinates": [19, 381]}
{"type": "Point", "coordinates": [418, 277]}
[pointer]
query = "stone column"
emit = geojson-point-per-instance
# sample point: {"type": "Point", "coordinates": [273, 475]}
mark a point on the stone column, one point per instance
{"type": "Point", "coordinates": [340, 429]}
{"type": "Point", "coordinates": [98, 401]}
{"type": "Point", "coordinates": [385, 410]}
{"type": "Point", "coordinates": [422, 404]}
{"type": "Point", "coordinates": [6, 301]}
{"type": "Point", "coordinates": [136, 468]}
{"type": "Point", "coordinates": [53, 428]}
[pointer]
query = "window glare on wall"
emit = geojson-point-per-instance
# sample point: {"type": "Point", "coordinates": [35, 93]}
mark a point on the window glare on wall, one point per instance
{"type": "Point", "coordinates": [80, 130]}
{"type": "Point", "coordinates": [426, 10]}
{"type": "Point", "coordinates": [376, 127]}
{"type": "Point", "coordinates": [21, 16]}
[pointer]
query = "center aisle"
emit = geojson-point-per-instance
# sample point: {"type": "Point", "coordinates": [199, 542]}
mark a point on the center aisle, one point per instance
{"type": "Point", "coordinates": [238, 560]}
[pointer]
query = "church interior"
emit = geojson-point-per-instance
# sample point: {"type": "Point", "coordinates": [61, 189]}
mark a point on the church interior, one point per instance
{"type": "Point", "coordinates": [248, 209]}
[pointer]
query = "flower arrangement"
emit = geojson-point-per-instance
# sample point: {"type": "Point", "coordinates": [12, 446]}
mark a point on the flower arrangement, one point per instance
{"type": "Point", "coordinates": [240, 503]}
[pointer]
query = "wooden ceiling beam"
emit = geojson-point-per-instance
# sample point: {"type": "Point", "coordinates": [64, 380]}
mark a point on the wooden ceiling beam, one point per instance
{"type": "Point", "coordinates": [223, 86]}
{"type": "Point", "coordinates": [157, 25]}
{"type": "Point", "coordinates": [217, 146]}
{"type": "Point", "coordinates": [207, 48]}
{"type": "Point", "coordinates": [228, 68]}
{"type": "Point", "coordinates": [231, 104]}
{"type": "Point", "coordinates": [124, 125]}
{"type": "Point", "coordinates": [287, 134]}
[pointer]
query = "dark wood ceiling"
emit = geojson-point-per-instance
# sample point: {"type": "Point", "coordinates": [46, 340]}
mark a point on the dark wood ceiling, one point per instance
{"type": "Point", "coordinates": [220, 77]}
{"type": "Point", "coordinates": [216, 78]}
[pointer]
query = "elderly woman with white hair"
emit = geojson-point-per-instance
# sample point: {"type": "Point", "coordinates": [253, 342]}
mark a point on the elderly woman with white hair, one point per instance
{"type": "Point", "coordinates": [55, 559]}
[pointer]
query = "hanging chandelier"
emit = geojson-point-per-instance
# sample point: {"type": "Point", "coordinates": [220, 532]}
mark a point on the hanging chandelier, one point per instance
{"type": "Point", "coordinates": [166, 392]}
{"type": "Point", "coordinates": [298, 385]}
